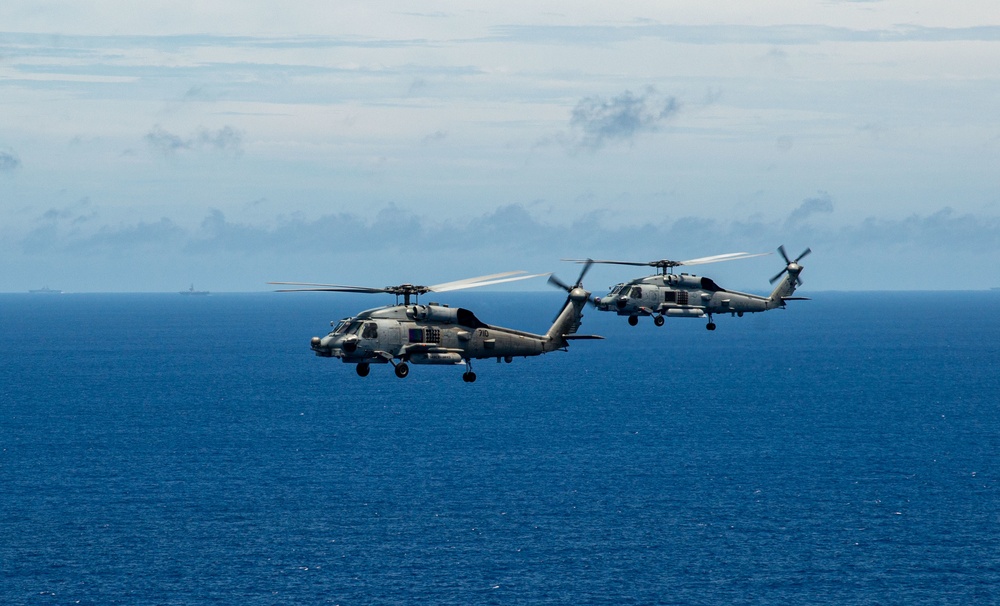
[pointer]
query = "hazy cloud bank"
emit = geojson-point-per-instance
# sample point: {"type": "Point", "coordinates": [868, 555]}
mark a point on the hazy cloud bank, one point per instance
{"type": "Point", "coordinates": [345, 246]}
{"type": "Point", "coordinates": [512, 229]}
{"type": "Point", "coordinates": [785, 34]}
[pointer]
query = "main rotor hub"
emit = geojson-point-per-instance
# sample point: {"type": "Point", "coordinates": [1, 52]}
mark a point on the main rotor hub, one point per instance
{"type": "Point", "coordinates": [407, 291]}
{"type": "Point", "coordinates": [665, 266]}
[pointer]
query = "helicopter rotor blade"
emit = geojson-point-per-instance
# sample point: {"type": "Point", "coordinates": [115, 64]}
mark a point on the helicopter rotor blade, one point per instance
{"type": "Point", "coordinates": [605, 261]}
{"type": "Point", "coordinates": [579, 281]}
{"type": "Point", "coordinates": [788, 262]}
{"type": "Point", "coordinates": [482, 281]}
{"type": "Point", "coordinates": [331, 288]}
{"type": "Point", "coordinates": [408, 289]}
{"type": "Point", "coordinates": [458, 284]}
{"type": "Point", "coordinates": [719, 258]}
{"type": "Point", "coordinates": [569, 289]}
{"type": "Point", "coordinates": [587, 265]}
{"type": "Point", "coordinates": [669, 263]}
{"type": "Point", "coordinates": [781, 249]}
{"type": "Point", "coordinates": [559, 283]}
{"type": "Point", "coordinates": [345, 287]}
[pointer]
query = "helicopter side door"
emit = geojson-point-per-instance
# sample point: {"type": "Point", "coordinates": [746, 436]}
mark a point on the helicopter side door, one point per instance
{"type": "Point", "coordinates": [644, 296]}
{"type": "Point", "coordinates": [389, 337]}
{"type": "Point", "coordinates": [369, 335]}
{"type": "Point", "coordinates": [635, 295]}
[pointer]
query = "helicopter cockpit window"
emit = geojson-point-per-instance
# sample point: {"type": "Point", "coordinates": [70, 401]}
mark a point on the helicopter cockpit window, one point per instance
{"type": "Point", "coordinates": [618, 288]}
{"type": "Point", "coordinates": [370, 331]}
{"type": "Point", "coordinates": [353, 328]}
{"type": "Point", "coordinates": [341, 327]}
{"type": "Point", "coordinates": [636, 293]}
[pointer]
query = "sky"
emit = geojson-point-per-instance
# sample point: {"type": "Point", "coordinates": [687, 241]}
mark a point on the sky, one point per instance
{"type": "Point", "coordinates": [150, 146]}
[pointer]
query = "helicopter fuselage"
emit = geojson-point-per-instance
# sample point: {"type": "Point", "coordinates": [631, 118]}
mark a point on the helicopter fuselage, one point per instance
{"type": "Point", "coordinates": [669, 295]}
{"type": "Point", "coordinates": [426, 334]}
{"type": "Point", "coordinates": [438, 334]}
{"type": "Point", "coordinates": [680, 295]}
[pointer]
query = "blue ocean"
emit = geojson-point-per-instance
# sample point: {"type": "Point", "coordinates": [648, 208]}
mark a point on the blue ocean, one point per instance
{"type": "Point", "coordinates": [160, 449]}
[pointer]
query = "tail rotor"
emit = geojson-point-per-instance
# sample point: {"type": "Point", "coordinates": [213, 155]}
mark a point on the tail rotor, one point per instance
{"type": "Point", "coordinates": [792, 267]}
{"type": "Point", "coordinates": [575, 292]}
{"type": "Point", "coordinates": [567, 321]}
{"type": "Point", "coordinates": [579, 281]}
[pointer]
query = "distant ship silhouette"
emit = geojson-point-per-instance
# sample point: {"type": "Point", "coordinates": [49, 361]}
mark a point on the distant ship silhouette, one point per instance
{"type": "Point", "coordinates": [45, 290]}
{"type": "Point", "coordinates": [192, 291]}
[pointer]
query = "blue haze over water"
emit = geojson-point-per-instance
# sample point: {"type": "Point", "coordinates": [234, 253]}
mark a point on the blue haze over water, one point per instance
{"type": "Point", "coordinates": [159, 449]}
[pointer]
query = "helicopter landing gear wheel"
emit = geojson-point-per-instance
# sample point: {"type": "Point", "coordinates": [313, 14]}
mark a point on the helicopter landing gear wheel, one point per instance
{"type": "Point", "coordinates": [710, 326]}
{"type": "Point", "coordinates": [402, 370]}
{"type": "Point", "coordinates": [468, 376]}
{"type": "Point", "coordinates": [658, 320]}
{"type": "Point", "coordinates": [363, 369]}
{"type": "Point", "coordinates": [633, 320]}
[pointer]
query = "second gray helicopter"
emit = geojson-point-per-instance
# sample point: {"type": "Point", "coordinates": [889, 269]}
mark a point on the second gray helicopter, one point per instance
{"type": "Point", "coordinates": [669, 295]}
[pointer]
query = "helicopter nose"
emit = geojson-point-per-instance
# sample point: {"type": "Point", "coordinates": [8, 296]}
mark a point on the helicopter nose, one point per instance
{"type": "Point", "coordinates": [321, 350]}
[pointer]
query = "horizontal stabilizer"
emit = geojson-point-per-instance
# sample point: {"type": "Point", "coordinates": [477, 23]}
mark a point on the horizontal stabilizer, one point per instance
{"type": "Point", "coordinates": [579, 337]}
{"type": "Point", "coordinates": [796, 299]}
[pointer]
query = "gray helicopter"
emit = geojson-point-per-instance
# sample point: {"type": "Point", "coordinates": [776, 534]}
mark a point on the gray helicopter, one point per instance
{"type": "Point", "coordinates": [412, 333]}
{"type": "Point", "coordinates": [670, 295]}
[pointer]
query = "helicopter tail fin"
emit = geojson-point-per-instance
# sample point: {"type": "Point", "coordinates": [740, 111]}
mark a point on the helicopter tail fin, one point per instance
{"type": "Point", "coordinates": [787, 285]}
{"type": "Point", "coordinates": [566, 324]}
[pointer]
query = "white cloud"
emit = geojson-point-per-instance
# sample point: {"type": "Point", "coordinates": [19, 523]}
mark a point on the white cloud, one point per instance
{"type": "Point", "coordinates": [821, 204]}
{"type": "Point", "coordinates": [226, 139]}
{"type": "Point", "coordinates": [622, 117]}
